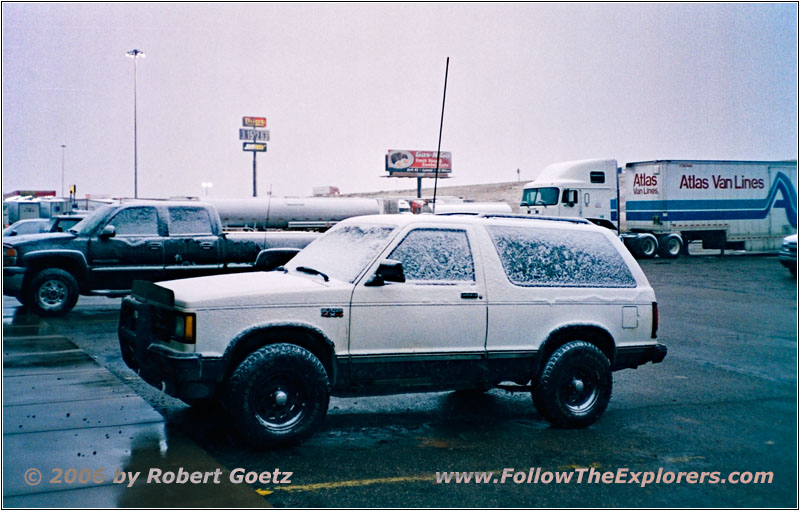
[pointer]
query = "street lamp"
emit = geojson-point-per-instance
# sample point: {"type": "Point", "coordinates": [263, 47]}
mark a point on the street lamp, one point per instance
{"type": "Point", "coordinates": [207, 186]}
{"type": "Point", "coordinates": [63, 147]}
{"type": "Point", "coordinates": [135, 55]}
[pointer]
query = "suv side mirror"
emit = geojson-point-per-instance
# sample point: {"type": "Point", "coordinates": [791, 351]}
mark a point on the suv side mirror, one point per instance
{"type": "Point", "coordinates": [108, 232]}
{"type": "Point", "coordinates": [388, 271]}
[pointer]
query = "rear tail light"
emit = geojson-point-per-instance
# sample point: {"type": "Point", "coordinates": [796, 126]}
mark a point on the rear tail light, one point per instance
{"type": "Point", "coordinates": [655, 320]}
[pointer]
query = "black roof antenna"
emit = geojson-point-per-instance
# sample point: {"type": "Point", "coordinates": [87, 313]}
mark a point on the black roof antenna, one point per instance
{"type": "Point", "coordinates": [439, 147]}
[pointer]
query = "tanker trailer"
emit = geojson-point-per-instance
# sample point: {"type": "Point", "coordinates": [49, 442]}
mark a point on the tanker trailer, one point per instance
{"type": "Point", "coordinates": [301, 213]}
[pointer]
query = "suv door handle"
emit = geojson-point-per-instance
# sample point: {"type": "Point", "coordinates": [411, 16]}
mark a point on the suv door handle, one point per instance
{"type": "Point", "coordinates": [206, 245]}
{"type": "Point", "coordinates": [470, 296]}
{"type": "Point", "coordinates": [155, 245]}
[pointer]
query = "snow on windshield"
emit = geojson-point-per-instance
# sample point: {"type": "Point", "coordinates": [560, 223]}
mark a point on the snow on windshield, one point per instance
{"type": "Point", "coordinates": [435, 255]}
{"type": "Point", "coordinates": [88, 224]}
{"type": "Point", "coordinates": [559, 258]}
{"type": "Point", "coordinates": [344, 251]}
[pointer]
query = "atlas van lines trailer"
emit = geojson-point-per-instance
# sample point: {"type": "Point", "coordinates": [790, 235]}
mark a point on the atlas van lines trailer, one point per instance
{"type": "Point", "coordinates": [660, 206]}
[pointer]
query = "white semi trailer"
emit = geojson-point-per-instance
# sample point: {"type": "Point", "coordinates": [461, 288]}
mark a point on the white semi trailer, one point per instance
{"type": "Point", "coordinates": [659, 206]}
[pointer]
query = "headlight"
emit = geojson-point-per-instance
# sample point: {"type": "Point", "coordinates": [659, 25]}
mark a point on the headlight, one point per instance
{"type": "Point", "coordinates": [9, 256]}
{"type": "Point", "coordinates": [184, 328]}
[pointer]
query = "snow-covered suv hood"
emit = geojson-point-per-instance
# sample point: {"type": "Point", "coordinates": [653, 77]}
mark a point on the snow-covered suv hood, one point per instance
{"type": "Point", "coordinates": [254, 288]}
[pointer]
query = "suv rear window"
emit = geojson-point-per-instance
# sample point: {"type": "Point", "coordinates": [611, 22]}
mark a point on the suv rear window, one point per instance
{"type": "Point", "coordinates": [559, 258]}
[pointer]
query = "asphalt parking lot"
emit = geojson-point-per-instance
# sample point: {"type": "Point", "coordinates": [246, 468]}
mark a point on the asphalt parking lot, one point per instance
{"type": "Point", "coordinates": [723, 402]}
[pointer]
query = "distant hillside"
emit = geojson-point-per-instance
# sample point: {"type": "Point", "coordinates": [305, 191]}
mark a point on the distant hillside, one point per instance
{"type": "Point", "coordinates": [510, 192]}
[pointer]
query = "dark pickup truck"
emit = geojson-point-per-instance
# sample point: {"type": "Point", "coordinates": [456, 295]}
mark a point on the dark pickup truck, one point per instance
{"type": "Point", "coordinates": [142, 240]}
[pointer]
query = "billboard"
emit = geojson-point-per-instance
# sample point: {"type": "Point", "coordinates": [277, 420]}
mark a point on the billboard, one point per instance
{"type": "Point", "coordinates": [401, 161]}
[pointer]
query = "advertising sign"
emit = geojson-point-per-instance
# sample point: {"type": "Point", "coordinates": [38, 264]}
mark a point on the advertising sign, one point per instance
{"type": "Point", "coordinates": [399, 161]}
{"type": "Point", "coordinates": [254, 147]}
{"type": "Point", "coordinates": [254, 134]}
{"type": "Point", "coordinates": [254, 122]}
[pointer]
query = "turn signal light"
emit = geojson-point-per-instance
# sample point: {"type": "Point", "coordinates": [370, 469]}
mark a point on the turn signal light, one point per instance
{"type": "Point", "coordinates": [184, 328]}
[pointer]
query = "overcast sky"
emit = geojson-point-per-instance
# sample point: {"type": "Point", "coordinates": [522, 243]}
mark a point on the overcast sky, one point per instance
{"type": "Point", "coordinates": [340, 84]}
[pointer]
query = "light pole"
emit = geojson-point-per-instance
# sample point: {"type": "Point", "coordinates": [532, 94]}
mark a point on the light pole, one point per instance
{"type": "Point", "coordinates": [207, 185]}
{"type": "Point", "coordinates": [63, 147]}
{"type": "Point", "coordinates": [135, 55]}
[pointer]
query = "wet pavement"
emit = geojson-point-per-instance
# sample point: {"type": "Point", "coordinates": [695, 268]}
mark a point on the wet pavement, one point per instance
{"type": "Point", "coordinates": [71, 428]}
{"type": "Point", "coordinates": [724, 399]}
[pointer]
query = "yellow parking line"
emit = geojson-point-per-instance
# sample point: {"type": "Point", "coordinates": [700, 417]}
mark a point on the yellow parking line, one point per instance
{"type": "Point", "coordinates": [347, 484]}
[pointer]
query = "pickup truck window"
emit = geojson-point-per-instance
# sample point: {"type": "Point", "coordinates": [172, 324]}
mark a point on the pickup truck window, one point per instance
{"type": "Point", "coordinates": [344, 251]}
{"type": "Point", "coordinates": [435, 256]}
{"type": "Point", "coordinates": [135, 222]}
{"type": "Point", "coordinates": [184, 221]}
{"type": "Point", "coordinates": [556, 258]}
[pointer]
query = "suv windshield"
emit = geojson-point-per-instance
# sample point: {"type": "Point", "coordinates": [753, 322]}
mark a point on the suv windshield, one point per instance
{"type": "Point", "coordinates": [344, 251]}
{"type": "Point", "coordinates": [540, 196]}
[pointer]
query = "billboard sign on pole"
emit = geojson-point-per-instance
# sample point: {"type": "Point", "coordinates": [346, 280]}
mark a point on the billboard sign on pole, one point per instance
{"type": "Point", "coordinates": [401, 161]}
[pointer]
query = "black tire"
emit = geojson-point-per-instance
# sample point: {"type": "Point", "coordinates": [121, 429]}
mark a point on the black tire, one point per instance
{"type": "Point", "coordinates": [670, 247]}
{"type": "Point", "coordinates": [52, 292]}
{"type": "Point", "coordinates": [278, 395]}
{"type": "Point", "coordinates": [575, 386]}
{"type": "Point", "coordinates": [647, 246]}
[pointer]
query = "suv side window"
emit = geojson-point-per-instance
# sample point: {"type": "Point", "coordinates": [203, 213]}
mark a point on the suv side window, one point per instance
{"type": "Point", "coordinates": [557, 258]}
{"type": "Point", "coordinates": [183, 221]}
{"type": "Point", "coordinates": [135, 222]}
{"type": "Point", "coordinates": [434, 256]}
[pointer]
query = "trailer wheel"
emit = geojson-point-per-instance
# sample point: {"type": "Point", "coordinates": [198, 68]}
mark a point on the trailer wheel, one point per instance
{"type": "Point", "coordinates": [646, 246]}
{"type": "Point", "coordinates": [670, 247]}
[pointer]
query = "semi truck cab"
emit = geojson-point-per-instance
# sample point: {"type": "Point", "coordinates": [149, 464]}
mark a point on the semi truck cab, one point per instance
{"type": "Point", "coordinates": [586, 189]}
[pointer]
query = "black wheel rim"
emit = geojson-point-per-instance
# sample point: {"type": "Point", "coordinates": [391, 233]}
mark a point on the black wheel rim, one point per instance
{"type": "Point", "coordinates": [579, 390]}
{"type": "Point", "coordinates": [282, 401]}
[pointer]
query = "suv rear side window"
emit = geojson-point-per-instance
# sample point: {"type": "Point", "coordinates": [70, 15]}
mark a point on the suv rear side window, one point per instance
{"type": "Point", "coordinates": [183, 221]}
{"type": "Point", "coordinates": [559, 258]}
{"type": "Point", "coordinates": [435, 256]}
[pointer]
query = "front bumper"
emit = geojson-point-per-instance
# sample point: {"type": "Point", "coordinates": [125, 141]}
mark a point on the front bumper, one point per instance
{"type": "Point", "coordinates": [788, 258]}
{"type": "Point", "coordinates": [12, 280]}
{"type": "Point", "coordinates": [187, 376]}
{"type": "Point", "coordinates": [631, 357]}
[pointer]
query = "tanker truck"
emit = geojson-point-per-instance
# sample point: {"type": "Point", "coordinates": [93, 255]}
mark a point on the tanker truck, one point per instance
{"type": "Point", "coordinates": [296, 213]}
{"type": "Point", "coordinates": [660, 206]}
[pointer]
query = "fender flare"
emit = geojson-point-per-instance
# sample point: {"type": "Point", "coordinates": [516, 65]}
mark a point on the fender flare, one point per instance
{"type": "Point", "coordinates": [238, 345]}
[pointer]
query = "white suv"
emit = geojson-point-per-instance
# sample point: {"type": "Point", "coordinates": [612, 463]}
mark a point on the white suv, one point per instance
{"type": "Point", "coordinates": [402, 303]}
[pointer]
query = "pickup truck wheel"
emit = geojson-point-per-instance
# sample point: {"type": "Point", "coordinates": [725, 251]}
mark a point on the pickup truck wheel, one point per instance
{"type": "Point", "coordinates": [279, 395]}
{"type": "Point", "coordinates": [52, 292]}
{"type": "Point", "coordinates": [575, 386]}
